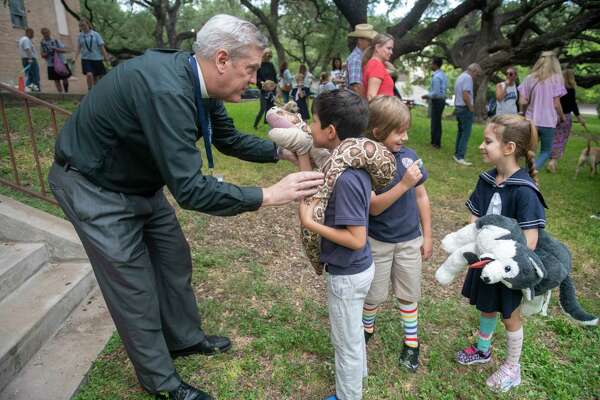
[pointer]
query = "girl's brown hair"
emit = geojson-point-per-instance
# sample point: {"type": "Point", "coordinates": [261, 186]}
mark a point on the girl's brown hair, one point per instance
{"type": "Point", "coordinates": [378, 40]}
{"type": "Point", "coordinates": [515, 128]}
{"type": "Point", "coordinates": [386, 113]}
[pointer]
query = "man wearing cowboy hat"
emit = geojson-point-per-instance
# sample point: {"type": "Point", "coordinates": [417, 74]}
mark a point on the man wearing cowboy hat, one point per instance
{"type": "Point", "coordinates": [363, 33]}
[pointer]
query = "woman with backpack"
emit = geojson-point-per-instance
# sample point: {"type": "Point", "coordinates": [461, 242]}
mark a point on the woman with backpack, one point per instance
{"type": "Point", "coordinates": [53, 51]}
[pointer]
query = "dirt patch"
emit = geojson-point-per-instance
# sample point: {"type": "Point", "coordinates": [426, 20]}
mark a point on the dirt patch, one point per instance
{"type": "Point", "coordinates": [271, 238]}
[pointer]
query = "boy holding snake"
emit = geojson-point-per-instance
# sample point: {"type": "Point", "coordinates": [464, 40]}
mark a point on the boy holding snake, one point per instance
{"type": "Point", "coordinates": [345, 252]}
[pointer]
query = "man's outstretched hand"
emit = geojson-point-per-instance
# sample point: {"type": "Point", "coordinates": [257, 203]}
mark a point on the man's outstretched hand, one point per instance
{"type": "Point", "coordinates": [292, 187]}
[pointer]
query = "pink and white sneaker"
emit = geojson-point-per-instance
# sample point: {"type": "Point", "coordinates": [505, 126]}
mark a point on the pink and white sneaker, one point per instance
{"type": "Point", "coordinates": [507, 377]}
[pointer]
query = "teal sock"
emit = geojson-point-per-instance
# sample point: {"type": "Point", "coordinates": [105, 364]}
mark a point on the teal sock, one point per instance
{"type": "Point", "coordinates": [487, 326]}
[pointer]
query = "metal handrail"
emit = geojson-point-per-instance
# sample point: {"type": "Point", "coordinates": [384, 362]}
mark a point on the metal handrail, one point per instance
{"type": "Point", "coordinates": [32, 99]}
{"type": "Point", "coordinates": [28, 101]}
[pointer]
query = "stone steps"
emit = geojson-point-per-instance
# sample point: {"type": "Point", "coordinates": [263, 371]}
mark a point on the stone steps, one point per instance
{"type": "Point", "coordinates": [59, 368]}
{"type": "Point", "coordinates": [33, 313]}
{"type": "Point", "coordinates": [53, 320]}
{"type": "Point", "coordinates": [18, 261]}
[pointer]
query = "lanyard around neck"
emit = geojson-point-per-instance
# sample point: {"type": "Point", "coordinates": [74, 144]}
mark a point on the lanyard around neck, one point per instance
{"type": "Point", "coordinates": [89, 45]}
{"type": "Point", "coordinates": [203, 117]}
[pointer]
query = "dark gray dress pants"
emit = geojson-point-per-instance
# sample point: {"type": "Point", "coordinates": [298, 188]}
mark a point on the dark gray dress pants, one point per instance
{"type": "Point", "coordinates": [143, 266]}
{"type": "Point", "coordinates": [437, 110]}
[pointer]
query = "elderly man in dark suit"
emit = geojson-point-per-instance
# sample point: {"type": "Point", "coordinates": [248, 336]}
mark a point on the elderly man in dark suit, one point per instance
{"type": "Point", "coordinates": [136, 132]}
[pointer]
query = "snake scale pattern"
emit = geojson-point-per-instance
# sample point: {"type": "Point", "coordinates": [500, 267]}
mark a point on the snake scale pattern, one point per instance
{"type": "Point", "coordinates": [360, 153]}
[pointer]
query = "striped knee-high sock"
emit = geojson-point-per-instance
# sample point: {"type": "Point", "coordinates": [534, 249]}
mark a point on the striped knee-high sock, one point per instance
{"type": "Point", "coordinates": [487, 326]}
{"type": "Point", "coordinates": [369, 313]}
{"type": "Point", "coordinates": [515, 344]}
{"type": "Point", "coordinates": [409, 314]}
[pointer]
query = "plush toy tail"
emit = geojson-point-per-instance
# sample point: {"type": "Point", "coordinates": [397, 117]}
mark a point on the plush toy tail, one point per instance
{"type": "Point", "coordinates": [570, 305]}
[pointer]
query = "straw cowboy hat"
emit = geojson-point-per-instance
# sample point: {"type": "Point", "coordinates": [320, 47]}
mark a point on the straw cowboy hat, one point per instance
{"type": "Point", "coordinates": [364, 31]}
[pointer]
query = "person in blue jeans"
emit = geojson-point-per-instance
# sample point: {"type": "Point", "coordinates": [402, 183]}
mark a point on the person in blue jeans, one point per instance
{"type": "Point", "coordinates": [29, 61]}
{"type": "Point", "coordinates": [463, 103]}
{"type": "Point", "coordinates": [337, 115]}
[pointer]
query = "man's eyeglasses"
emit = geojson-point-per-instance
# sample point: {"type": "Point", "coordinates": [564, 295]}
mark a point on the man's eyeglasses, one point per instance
{"type": "Point", "coordinates": [510, 74]}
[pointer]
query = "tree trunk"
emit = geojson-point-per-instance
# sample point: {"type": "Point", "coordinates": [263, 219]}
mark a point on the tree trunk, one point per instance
{"type": "Point", "coordinates": [271, 23]}
{"type": "Point", "coordinates": [355, 11]}
{"type": "Point", "coordinates": [481, 97]}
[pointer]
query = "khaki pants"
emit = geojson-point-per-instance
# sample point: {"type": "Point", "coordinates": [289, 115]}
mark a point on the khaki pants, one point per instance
{"type": "Point", "coordinates": [399, 263]}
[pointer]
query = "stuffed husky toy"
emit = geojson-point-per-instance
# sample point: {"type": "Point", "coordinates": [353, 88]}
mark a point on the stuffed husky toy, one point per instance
{"type": "Point", "coordinates": [497, 245]}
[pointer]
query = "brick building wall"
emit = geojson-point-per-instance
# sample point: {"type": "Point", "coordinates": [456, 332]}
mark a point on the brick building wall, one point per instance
{"type": "Point", "coordinates": [39, 14]}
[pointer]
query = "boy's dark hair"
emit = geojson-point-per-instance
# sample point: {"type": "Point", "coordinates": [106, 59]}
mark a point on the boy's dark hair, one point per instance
{"type": "Point", "coordinates": [437, 61]}
{"type": "Point", "coordinates": [345, 110]}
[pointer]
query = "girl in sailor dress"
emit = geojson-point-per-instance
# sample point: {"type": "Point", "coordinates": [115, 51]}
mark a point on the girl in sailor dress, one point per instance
{"type": "Point", "coordinates": [511, 191]}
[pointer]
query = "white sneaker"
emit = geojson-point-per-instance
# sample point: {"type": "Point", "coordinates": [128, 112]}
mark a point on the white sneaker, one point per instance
{"type": "Point", "coordinates": [507, 377]}
{"type": "Point", "coordinates": [462, 161]}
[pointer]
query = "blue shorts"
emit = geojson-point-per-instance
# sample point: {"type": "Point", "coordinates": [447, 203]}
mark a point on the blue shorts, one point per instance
{"type": "Point", "coordinates": [96, 67]}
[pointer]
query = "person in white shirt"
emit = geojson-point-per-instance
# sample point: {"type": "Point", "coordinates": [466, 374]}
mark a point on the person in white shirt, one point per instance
{"type": "Point", "coordinates": [506, 94]}
{"type": "Point", "coordinates": [337, 72]}
{"type": "Point", "coordinates": [465, 110]}
{"type": "Point", "coordinates": [29, 60]}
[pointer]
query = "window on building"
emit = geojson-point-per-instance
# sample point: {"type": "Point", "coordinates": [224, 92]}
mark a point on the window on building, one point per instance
{"type": "Point", "coordinates": [17, 13]}
{"type": "Point", "coordinates": [61, 18]}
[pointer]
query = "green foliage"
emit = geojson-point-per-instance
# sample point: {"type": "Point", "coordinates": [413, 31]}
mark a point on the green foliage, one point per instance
{"type": "Point", "coordinates": [120, 25]}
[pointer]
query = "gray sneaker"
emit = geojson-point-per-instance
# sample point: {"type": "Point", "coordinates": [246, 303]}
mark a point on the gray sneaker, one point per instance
{"type": "Point", "coordinates": [462, 161]}
{"type": "Point", "coordinates": [409, 358]}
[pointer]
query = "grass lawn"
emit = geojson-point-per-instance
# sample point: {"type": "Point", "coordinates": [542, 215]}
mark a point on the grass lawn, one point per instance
{"type": "Point", "coordinates": [253, 284]}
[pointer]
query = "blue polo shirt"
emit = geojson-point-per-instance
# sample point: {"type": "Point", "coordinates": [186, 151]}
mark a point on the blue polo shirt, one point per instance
{"type": "Point", "coordinates": [348, 206]}
{"type": "Point", "coordinates": [518, 197]}
{"type": "Point", "coordinates": [90, 44]}
{"type": "Point", "coordinates": [400, 222]}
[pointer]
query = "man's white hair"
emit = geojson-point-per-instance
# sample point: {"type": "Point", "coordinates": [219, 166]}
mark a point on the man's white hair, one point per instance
{"type": "Point", "coordinates": [476, 68]}
{"type": "Point", "coordinates": [229, 33]}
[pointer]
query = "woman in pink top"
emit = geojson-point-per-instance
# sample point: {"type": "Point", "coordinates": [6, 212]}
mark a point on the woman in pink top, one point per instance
{"type": "Point", "coordinates": [541, 92]}
{"type": "Point", "coordinates": [376, 79]}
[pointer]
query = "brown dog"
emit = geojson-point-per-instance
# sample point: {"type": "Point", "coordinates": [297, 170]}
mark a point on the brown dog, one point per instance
{"type": "Point", "coordinates": [590, 155]}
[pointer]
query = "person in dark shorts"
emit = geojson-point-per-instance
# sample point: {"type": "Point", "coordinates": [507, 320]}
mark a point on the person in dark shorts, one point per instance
{"type": "Point", "coordinates": [50, 47]}
{"type": "Point", "coordinates": [93, 53]}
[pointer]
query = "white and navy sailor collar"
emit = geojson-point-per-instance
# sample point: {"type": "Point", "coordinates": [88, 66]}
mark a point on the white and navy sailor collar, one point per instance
{"type": "Point", "coordinates": [519, 178]}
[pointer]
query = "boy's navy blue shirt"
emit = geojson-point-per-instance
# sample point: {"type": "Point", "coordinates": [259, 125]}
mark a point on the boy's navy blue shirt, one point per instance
{"type": "Point", "coordinates": [400, 222]}
{"type": "Point", "coordinates": [518, 197]}
{"type": "Point", "coordinates": [348, 206]}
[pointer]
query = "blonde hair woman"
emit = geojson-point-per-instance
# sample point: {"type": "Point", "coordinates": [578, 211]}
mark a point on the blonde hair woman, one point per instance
{"type": "Point", "coordinates": [540, 93]}
{"type": "Point", "coordinates": [376, 78]}
{"type": "Point", "coordinates": [563, 129]}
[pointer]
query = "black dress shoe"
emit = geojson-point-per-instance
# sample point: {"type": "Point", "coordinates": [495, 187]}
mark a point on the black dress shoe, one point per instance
{"type": "Point", "coordinates": [187, 392]}
{"type": "Point", "coordinates": [210, 345]}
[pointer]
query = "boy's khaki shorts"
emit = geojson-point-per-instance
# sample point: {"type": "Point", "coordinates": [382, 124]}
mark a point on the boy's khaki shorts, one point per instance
{"type": "Point", "coordinates": [399, 263]}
